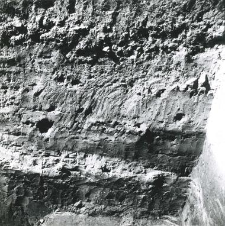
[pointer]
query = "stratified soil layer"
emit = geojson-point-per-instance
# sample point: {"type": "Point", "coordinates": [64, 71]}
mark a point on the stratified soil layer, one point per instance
{"type": "Point", "coordinates": [103, 107]}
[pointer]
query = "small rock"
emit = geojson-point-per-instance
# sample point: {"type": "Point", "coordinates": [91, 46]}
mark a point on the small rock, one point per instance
{"type": "Point", "coordinates": [203, 81]}
{"type": "Point", "coordinates": [17, 22]}
{"type": "Point", "coordinates": [78, 204]}
{"type": "Point", "coordinates": [192, 83]}
{"type": "Point", "coordinates": [106, 49]}
{"type": "Point", "coordinates": [83, 209]}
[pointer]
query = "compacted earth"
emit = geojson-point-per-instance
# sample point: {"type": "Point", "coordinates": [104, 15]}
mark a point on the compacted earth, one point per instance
{"type": "Point", "coordinates": [103, 108]}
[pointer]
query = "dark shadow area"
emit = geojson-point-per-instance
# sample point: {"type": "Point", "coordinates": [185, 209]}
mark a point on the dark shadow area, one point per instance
{"type": "Point", "coordinates": [44, 125]}
{"type": "Point", "coordinates": [31, 196]}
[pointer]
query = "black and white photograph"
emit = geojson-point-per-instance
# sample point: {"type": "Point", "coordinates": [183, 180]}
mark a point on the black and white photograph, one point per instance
{"type": "Point", "coordinates": [112, 112]}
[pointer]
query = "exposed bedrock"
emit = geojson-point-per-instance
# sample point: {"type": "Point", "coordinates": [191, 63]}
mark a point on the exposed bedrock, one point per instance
{"type": "Point", "coordinates": [103, 106]}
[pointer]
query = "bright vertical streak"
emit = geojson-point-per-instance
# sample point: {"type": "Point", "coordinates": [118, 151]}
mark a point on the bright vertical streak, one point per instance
{"type": "Point", "coordinates": [216, 126]}
{"type": "Point", "coordinates": [206, 202]}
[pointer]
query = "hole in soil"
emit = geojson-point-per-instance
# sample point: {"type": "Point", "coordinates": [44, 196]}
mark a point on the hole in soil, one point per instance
{"type": "Point", "coordinates": [60, 79]}
{"type": "Point", "coordinates": [88, 111]}
{"type": "Point", "coordinates": [158, 182]}
{"type": "Point", "coordinates": [45, 3]}
{"type": "Point", "coordinates": [178, 116]}
{"type": "Point", "coordinates": [71, 6]}
{"type": "Point", "coordinates": [160, 92]}
{"type": "Point", "coordinates": [44, 125]}
{"type": "Point", "coordinates": [80, 110]}
{"type": "Point", "coordinates": [75, 82]}
{"type": "Point", "coordinates": [35, 37]}
{"type": "Point", "coordinates": [51, 108]}
{"type": "Point", "coordinates": [149, 136]}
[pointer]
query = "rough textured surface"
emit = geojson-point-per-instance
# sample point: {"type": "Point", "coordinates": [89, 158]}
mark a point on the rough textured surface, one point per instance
{"type": "Point", "coordinates": [103, 104]}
